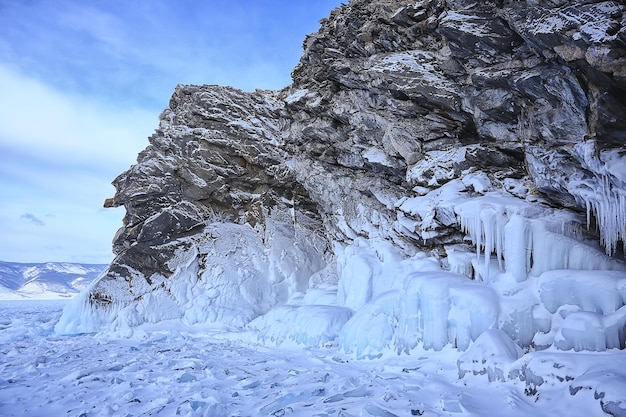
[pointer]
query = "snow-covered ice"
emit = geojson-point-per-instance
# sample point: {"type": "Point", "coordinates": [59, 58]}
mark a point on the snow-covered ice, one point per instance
{"type": "Point", "coordinates": [173, 369]}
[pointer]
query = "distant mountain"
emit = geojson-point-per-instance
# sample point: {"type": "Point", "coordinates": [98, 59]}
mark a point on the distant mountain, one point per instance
{"type": "Point", "coordinates": [45, 280]}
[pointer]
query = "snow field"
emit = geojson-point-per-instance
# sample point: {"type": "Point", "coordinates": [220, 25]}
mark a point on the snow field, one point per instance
{"type": "Point", "coordinates": [175, 369]}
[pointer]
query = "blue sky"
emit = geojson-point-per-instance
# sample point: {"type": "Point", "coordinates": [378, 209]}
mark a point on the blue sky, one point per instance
{"type": "Point", "coordinates": [82, 84]}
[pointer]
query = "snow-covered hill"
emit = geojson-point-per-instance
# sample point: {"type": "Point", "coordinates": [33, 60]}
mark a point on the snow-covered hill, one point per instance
{"type": "Point", "coordinates": [45, 280]}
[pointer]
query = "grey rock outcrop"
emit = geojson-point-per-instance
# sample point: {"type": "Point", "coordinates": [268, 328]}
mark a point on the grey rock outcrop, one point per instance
{"type": "Point", "coordinates": [391, 99]}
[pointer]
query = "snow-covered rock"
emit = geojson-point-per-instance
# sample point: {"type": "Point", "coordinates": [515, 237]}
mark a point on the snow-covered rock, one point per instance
{"type": "Point", "coordinates": [598, 376]}
{"type": "Point", "coordinates": [492, 354]}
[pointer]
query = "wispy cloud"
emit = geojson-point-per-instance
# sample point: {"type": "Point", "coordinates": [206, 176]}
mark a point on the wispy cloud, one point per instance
{"type": "Point", "coordinates": [41, 121]}
{"type": "Point", "coordinates": [33, 219]}
{"type": "Point", "coordinates": [143, 49]}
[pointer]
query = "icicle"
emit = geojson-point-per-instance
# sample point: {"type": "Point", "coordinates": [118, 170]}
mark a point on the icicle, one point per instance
{"type": "Point", "coordinates": [471, 223]}
{"type": "Point", "coordinates": [517, 247]}
{"type": "Point", "coordinates": [501, 221]}
{"type": "Point", "coordinates": [488, 222]}
{"type": "Point", "coordinates": [484, 222]}
{"type": "Point", "coordinates": [608, 206]}
{"type": "Point", "coordinates": [604, 196]}
{"type": "Point", "coordinates": [588, 206]}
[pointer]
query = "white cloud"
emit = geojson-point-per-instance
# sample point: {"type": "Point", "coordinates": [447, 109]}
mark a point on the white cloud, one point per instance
{"type": "Point", "coordinates": [59, 156]}
{"type": "Point", "coordinates": [39, 120]}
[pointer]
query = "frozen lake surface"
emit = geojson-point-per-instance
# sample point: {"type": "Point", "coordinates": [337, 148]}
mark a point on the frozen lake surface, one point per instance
{"type": "Point", "coordinates": [171, 369]}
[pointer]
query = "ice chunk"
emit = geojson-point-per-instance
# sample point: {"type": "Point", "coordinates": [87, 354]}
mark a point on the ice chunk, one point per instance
{"type": "Point", "coordinates": [186, 377]}
{"type": "Point", "coordinates": [595, 291]}
{"type": "Point", "coordinates": [440, 307]}
{"type": "Point", "coordinates": [492, 354]}
{"type": "Point", "coordinates": [308, 325]}
{"type": "Point", "coordinates": [451, 405]}
{"type": "Point", "coordinates": [371, 329]}
{"type": "Point", "coordinates": [581, 331]}
{"type": "Point", "coordinates": [375, 411]}
{"type": "Point", "coordinates": [278, 406]}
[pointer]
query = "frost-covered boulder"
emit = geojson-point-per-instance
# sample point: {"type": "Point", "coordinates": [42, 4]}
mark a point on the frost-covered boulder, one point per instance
{"type": "Point", "coordinates": [603, 292]}
{"type": "Point", "coordinates": [492, 354]}
{"type": "Point", "coordinates": [581, 330]}
{"type": "Point", "coordinates": [576, 375]}
{"type": "Point", "coordinates": [588, 308]}
{"type": "Point", "coordinates": [608, 388]}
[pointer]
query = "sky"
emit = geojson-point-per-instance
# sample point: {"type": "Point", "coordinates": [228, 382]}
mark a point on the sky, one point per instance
{"type": "Point", "coordinates": [82, 83]}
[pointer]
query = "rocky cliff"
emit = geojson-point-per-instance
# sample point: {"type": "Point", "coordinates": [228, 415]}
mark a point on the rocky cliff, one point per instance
{"type": "Point", "coordinates": [483, 139]}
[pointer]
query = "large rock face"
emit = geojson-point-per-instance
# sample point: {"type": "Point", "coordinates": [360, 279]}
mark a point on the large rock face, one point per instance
{"type": "Point", "coordinates": [400, 113]}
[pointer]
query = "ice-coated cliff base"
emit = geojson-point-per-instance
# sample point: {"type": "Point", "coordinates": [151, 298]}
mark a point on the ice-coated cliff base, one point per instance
{"type": "Point", "coordinates": [518, 301]}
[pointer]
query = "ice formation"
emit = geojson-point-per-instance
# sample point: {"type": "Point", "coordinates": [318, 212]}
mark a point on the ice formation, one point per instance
{"type": "Point", "coordinates": [441, 307]}
{"type": "Point", "coordinates": [529, 264]}
{"type": "Point", "coordinates": [308, 325]}
{"type": "Point", "coordinates": [532, 277]}
{"type": "Point", "coordinates": [229, 275]}
{"type": "Point", "coordinates": [604, 194]}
